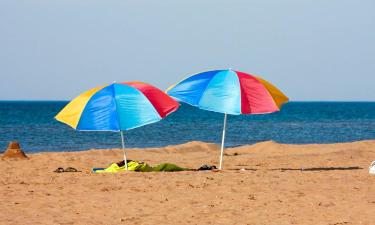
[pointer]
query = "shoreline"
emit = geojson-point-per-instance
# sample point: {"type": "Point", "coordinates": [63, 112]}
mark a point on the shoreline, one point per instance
{"type": "Point", "coordinates": [202, 142]}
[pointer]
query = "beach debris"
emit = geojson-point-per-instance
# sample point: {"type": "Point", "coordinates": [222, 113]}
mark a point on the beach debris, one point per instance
{"type": "Point", "coordinates": [234, 154]}
{"type": "Point", "coordinates": [327, 204]}
{"type": "Point", "coordinates": [207, 167]}
{"type": "Point", "coordinates": [68, 169]}
{"type": "Point", "coordinates": [372, 168]}
{"type": "Point", "coordinates": [251, 197]}
{"type": "Point", "coordinates": [14, 151]}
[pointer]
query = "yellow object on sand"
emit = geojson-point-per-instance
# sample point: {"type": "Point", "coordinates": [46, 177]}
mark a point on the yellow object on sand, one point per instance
{"type": "Point", "coordinates": [132, 166]}
{"type": "Point", "coordinates": [140, 167]}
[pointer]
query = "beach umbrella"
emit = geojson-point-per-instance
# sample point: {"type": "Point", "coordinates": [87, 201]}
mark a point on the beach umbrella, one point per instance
{"type": "Point", "coordinates": [229, 92]}
{"type": "Point", "coordinates": [117, 107]}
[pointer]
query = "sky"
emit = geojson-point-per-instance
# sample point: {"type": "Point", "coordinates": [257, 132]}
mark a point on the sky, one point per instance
{"type": "Point", "coordinates": [313, 50]}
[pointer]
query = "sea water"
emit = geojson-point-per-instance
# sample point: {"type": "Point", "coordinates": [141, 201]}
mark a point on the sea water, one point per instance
{"type": "Point", "coordinates": [32, 123]}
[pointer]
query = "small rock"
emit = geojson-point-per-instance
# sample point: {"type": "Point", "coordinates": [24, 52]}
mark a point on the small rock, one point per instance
{"type": "Point", "coordinates": [251, 197]}
{"type": "Point", "coordinates": [327, 204]}
{"type": "Point", "coordinates": [104, 189]}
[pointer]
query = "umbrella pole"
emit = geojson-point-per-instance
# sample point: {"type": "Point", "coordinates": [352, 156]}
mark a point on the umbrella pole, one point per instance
{"type": "Point", "coordinates": [123, 149]}
{"type": "Point", "coordinates": [222, 141]}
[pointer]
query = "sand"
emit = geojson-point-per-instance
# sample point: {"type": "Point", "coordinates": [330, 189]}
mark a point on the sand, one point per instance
{"type": "Point", "coordinates": [334, 186]}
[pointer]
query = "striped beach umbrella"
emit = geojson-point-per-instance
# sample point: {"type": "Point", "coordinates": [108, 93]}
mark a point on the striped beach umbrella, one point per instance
{"type": "Point", "coordinates": [117, 107]}
{"type": "Point", "coordinates": [229, 92]}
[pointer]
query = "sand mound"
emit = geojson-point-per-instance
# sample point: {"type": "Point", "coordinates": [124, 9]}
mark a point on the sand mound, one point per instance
{"type": "Point", "coordinates": [193, 146]}
{"type": "Point", "coordinates": [267, 147]}
{"type": "Point", "coordinates": [14, 152]}
{"type": "Point", "coordinates": [276, 149]}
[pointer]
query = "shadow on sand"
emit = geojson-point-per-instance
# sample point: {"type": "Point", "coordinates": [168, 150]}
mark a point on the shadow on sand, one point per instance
{"type": "Point", "coordinates": [320, 168]}
{"type": "Point", "coordinates": [307, 169]}
{"type": "Point", "coordinates": [248, 169]}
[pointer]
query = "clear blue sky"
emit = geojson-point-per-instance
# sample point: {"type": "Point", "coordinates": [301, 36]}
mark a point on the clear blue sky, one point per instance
{"type": "Point", "coordinates": [310, 49]}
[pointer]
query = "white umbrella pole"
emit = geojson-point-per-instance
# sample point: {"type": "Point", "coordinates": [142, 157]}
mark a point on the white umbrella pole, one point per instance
{"type": "Point", "coordinates": [123, 149]}
{"type": "Point", "coordinates": [222, 141]}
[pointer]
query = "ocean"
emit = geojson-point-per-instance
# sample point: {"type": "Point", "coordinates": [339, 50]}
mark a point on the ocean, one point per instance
{"type": "Point", "coordinates": [32, 123]}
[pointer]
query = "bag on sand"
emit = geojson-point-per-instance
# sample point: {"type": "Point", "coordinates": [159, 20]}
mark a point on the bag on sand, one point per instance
{"type": "Point", "coordinates": [372, 168]}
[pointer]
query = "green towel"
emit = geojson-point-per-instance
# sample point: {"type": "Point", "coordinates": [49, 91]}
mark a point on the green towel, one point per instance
{"type": "Point", "coordinates": [168, 167]}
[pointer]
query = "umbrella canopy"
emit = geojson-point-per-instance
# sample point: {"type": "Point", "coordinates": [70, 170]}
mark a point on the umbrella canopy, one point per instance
{"type": "Point", "coordinates": [117, 107]}
{"type": "Point", "coordinates": [228, 92]}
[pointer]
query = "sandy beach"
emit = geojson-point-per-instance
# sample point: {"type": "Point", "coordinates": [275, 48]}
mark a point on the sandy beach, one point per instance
{"type": "Point", "coordinates": [334, 187]}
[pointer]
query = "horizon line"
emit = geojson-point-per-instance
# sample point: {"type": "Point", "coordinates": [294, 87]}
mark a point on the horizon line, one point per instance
{"type": "Point", "coordinates": [312, 101]}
